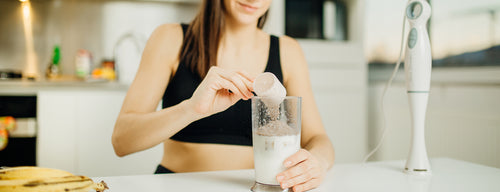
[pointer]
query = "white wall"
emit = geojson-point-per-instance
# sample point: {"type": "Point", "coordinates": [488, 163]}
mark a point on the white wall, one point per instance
{"type": "Point", "coordinates": [138, 20]}
{"type": "Point", "coordinates": [463, 116]}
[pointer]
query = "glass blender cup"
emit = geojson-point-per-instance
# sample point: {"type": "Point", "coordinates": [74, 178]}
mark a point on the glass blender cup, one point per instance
{"type": "Point", "coordinates": [276, 125]}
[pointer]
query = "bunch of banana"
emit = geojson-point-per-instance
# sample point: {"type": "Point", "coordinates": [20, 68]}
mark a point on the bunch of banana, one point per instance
{"type": "Point", "coordinates": [27, 179]}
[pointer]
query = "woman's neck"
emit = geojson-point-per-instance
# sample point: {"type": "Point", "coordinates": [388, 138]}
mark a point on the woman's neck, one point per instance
{"type": "Point", "coordinates": [239, 34]}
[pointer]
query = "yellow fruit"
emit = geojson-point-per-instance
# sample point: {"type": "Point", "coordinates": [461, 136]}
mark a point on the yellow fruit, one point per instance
{"type": "Point", "coordinates": [29, 172]}
{"type": "Point", "coordinates": [108, 73]}
{"type": "Point", "coordinates": [39, 179]}
{"type": "Point", "coordinates": [53, 184]}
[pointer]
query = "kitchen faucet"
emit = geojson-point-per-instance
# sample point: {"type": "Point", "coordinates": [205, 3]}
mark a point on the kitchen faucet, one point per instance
{"type": "Point", "coordinates": [139, 42]}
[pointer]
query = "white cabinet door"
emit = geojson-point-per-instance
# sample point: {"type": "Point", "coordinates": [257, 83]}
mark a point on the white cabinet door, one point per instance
{"type": "Point", "coordinates": [56, 116]}
{"type": "Point", "coordinates": [97, 113]}
{"type": "Point", "coordinates": [341, 98]}
{"type": "Point", "coordinates": [75, 135]}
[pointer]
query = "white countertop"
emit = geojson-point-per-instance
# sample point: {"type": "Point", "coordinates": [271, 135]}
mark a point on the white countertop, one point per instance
{"type": "Point", "coordinates": [447, 175]}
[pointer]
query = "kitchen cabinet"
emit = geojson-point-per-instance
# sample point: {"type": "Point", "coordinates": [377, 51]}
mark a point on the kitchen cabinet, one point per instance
{"type": "Point", "coordinates": [75, 129]}
{"type": "Point", "coordinates": [56, 131]}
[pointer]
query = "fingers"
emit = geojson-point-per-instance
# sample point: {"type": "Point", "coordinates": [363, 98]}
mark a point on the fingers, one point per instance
{"type": "Point", "coordinates": [243, 84]}
{"type": "Point", "coordinates": [247, 80]}
{"type": "Point", "coordinates": [300, 178]}
{"type": "Point", "coordinates": [298, 165]}
{"type": "Point", "coordinates": [222, 83]}
{"type": "Point", "coordinates": [250, 81]}
{"type": "Point", "coordinates": [303, 172]}
{"type": "Point", "coordinates": [296, 158]}
{"type": "Point", "coordinates": [295, 171]}
{"type": "Point", "coordinates": [246, 76]}
{"type": "Point", "coordinates": [311, 184]}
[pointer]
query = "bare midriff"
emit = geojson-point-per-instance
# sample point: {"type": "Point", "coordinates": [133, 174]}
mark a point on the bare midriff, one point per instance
{"type": "Point", "coordinates": [192, 157]}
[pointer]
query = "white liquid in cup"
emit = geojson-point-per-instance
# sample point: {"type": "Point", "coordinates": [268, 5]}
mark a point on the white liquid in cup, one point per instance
{"type": "Point", "coordinates": [276, 137]}
{"type": "Point", "coordinates": [270, 153]}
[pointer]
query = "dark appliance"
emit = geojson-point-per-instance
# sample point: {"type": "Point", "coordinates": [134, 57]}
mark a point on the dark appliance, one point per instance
{"type": "Point", "coordinates": [316, 19]}
{"type": "Point", "coordinates": [21, 148]}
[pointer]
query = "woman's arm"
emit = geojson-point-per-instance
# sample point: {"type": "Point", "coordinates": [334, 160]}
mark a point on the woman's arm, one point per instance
{"type": "Point", "coordinates": [139, 126]}
{"type": "Point", "coordinates": [308, 166]}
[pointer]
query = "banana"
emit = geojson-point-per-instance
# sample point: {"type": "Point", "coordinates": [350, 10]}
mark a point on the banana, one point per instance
{"type": "Point", "coordinates": [29, 172]}
{"type": "Point", "coordinates": [54, 184]}
{"type": "Point", "coordinates": [28, 179]}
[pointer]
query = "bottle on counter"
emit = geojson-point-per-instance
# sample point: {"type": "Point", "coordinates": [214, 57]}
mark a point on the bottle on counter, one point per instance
{"type": "Point", "coordinates": [54, 69]}
{"type": "Point", "coordinates": [83, 63]}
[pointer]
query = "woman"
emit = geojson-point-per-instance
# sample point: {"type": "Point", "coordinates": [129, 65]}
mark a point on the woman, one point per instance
{"type": "Point", "coordinates": [209, 68]}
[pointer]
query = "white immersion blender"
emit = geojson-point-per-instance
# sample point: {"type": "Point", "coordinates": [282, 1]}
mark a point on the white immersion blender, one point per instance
{"type": "Point", "coordinates": [418, 64]}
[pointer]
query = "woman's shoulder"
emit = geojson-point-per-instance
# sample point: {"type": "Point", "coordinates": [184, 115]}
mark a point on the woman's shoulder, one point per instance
{"type": "Point", "coordinates": [288, 43]}
{"type": "Point", "coordinates": [168, 32]}
{"type": "Point", "coordinates": [285, 42]}
{"type": "Point", "coordinates": [170, 27]}
{"type": "Point", "coordinates": [292, 57]}
{"type": "Point", "coordinates": [167, 39]}
{"type": "Point", "coordinates": [290, 50]}
{"type": "Point", "coordinates": [163, 46]}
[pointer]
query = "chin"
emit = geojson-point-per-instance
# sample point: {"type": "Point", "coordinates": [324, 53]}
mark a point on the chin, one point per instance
{"type": "Point", "coordinates": [244, 12]}
{"type": "Point", "coordinates": [246, 19]}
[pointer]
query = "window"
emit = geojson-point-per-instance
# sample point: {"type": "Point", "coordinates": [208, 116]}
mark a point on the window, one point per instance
{"type": "Point", "coordinates": [465, 33]}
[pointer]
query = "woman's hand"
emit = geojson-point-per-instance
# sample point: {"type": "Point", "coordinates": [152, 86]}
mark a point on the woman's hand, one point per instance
{"type": "Point", "coordinates": [304, 172]}
{"type": "Point", "coordinates": [220, 89]}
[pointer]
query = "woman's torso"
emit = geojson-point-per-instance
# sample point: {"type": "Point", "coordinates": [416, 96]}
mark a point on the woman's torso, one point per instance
{"type": "Point", "coordinates": [221, 141]}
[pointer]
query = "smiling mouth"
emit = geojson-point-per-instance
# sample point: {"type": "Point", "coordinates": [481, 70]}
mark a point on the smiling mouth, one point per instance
{"type": "Point", "coordinates": [247, 7]}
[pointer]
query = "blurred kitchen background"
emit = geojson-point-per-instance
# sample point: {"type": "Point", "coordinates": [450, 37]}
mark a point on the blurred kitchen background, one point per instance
{"type": "Point", "coordinates": [351, 47]}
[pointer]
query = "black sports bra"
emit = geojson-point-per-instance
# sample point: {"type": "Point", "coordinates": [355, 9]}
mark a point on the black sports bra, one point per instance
{"type": "Point", "coordinates": [232, 126]}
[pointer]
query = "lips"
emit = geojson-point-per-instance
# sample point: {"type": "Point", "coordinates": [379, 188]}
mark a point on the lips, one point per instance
{"type": "Point", "coordinates": [248, 8]}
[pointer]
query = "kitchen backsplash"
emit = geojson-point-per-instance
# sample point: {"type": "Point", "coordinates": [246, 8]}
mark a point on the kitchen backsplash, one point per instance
{"type": "Point", "coordinates": [94, 25]}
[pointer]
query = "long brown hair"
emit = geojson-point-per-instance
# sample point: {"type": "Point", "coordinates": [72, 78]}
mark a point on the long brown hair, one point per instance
{"type": "Point", "coordinates": [201, 41]}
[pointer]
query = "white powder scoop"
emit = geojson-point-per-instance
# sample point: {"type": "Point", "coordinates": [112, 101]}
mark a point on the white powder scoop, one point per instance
{"type": "Point", "coordinates": [267, 85]}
